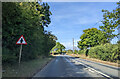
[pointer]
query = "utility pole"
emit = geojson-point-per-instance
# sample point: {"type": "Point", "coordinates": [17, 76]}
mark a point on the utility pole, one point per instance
{"type": "Point", "coordinates": [73, 44]}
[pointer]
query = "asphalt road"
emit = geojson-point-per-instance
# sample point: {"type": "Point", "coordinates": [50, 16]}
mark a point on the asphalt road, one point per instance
{"type": "Point", "coordinates": [66, 66]}
{"type": "Point", "coordinates": [108, 70]}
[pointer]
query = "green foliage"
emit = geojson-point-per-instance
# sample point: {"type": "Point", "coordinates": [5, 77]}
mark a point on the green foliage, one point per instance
{"type": "Point", "coordinates": [99, 40]}
{"type": "Point", "coordinates": [69, 51]}
{"type": "Point", "coordinates": [85, 52]}
{"type": "Point", "coordinates": [29, 20]}
{"type": "Point", "coordinates": [8, 56]}
{"type": "Point", "coordinates": [110, 23]}
{"type": "Point", "coordinates": [105, 52]}
{"type": "Point", "coordinates": [58, 47]}
{"type": "Point", "coordinates": [75, 51]}
{"type": "Point", "coordinates": [81, 52]}
{"type": "Point", "coordinates": [91, 38]}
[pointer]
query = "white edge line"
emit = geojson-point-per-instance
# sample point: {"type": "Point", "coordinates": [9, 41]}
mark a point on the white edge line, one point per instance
{"type": "Point", "coordinates": [95, 70]}
{"type": "Point", "coordinates": [100, 63]}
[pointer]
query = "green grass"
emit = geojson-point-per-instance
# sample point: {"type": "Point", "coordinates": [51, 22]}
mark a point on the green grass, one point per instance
{"type": "Point", "coordinates": [26, 69]}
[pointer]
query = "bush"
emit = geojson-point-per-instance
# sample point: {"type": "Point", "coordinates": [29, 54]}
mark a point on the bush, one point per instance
{"type": "Point", "coordinates": [106, 52]}
{"type": "Point", "coordinates": [85, 51]}
{"type": "Point", "coordinates": [8, 56]}
{"type": "Point", "coordinates": [81, 52]}
{"type": "Point", "coordinates": [75, 52]}
{"type": "Point", "coordinates": [69, 51]}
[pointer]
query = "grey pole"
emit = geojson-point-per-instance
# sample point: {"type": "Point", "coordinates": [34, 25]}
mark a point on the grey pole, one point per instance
{"type": "Point", "coordinates": [20, 54]}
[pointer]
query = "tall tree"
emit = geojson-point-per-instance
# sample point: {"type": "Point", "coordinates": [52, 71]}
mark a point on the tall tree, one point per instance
{"type": "Point", "coordinates": [90, 38]}
{"type": "Point", "coordinates": [110, 23]}
{"type": "Point", "coordinates": [28, 19]}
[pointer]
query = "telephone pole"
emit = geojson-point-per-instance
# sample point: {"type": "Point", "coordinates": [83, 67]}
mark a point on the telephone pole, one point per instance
{"type": "Point", "coordinates": [73, 44]}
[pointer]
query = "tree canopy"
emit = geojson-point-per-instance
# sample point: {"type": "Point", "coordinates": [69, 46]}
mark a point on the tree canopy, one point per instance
{"type": "Point", "coordinates": [110, 23]}
{"type": "Point", "coordinates": [90, 38]}
{"type": "Point", "coordinates": [58, 47]}
{"type": "Point", "coordinates": [27, 19]}
{"type": "Point", "coordinates": [93, 36]}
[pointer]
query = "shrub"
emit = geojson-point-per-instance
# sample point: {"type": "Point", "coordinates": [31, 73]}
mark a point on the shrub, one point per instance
{"type": "Point", "coordinates": [75, 52]}
{"type": "Point", "coordinates": [81, 52]}
{"type": "Point", "coordinates": [106, 52]}
{"type": "Point", "coordinates": [8, 56]}
{"type": "Point", "coordinates": [85, 51]}
{"type": "Point", "coordinates": [69, 51]}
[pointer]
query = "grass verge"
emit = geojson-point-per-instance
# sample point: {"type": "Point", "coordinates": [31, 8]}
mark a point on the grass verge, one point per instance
{"type": "Point", "coordinates": [26, 69]}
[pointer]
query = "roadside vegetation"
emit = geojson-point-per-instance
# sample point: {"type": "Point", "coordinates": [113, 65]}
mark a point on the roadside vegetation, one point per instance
{"type": "Point", "coordinates": [26, 68]}
{"type": "Point", "coordinates": [106, 52]}
{"type": "Point", "coordinates": [58, 48]}
{"type": "Point", "coordinates": [95, 43]}
{"type": "Point", "coordinates": [28, 19]}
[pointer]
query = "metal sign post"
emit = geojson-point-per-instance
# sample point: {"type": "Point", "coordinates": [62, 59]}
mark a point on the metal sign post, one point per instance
{"type": "Point", "coordinates": [21, 41]}
{"type": "Point", "coordinates": [20, 53]}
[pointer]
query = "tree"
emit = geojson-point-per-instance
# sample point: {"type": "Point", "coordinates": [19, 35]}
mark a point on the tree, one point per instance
{"type": "Point", "coordinates": [110, 23]}
{"type": "Point", "coordinates": [59, 47]}
{"type": "Point", "coordinates": [90, 38]}
{"type": "Point", "coordinates": [70, 51]}
{"type": "Point", "coordinates": [29, 20]}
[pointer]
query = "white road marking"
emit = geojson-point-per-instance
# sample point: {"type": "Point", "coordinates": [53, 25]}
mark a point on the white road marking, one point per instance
{"type": "Point", "coordinates": [68, 61]}
{"type": "Point", "coordinates": [91, 69]}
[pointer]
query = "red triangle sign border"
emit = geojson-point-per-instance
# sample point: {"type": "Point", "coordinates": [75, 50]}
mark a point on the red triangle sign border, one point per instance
{"type": "Point", "coordinates": [24, 40]}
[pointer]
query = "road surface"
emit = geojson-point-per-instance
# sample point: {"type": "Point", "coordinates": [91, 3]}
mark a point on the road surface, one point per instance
{"type": "Point", "coordinates": [67, 66]}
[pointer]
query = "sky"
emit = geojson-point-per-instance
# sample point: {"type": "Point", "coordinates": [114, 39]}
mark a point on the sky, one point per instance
{"type": "Point", "coordinates": [69, 19]}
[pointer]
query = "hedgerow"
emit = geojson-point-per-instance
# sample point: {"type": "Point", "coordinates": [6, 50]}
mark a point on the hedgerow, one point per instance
{"type": "Point", "coordinates": [106, 52]}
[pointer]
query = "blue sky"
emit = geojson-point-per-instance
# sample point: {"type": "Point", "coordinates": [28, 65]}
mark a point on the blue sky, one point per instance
{"type": "Point", "coordinates": [69, 19]}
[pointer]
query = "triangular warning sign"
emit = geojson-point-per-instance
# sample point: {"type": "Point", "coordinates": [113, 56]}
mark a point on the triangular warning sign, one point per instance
{"type": "Point", "coordinates": [21, 40]}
